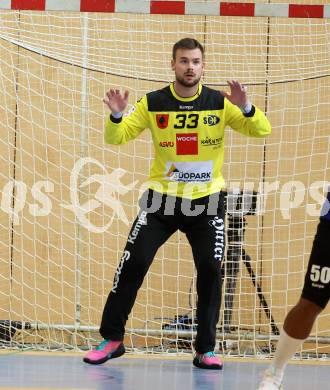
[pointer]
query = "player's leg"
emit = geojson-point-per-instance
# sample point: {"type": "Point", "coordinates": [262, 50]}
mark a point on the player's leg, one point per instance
{"type": "Point", "coordinates": [299, 321]}
{"type": "Point", "coordinates": [304, 313]}
{"type": "Point", "coordinates": [206, 235]}
{"type": "Point", "coordinates": [148, 233]}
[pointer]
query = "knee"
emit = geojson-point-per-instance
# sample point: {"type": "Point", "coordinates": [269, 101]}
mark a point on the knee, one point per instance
{"type": "Point", "coordinates": [308, 307]}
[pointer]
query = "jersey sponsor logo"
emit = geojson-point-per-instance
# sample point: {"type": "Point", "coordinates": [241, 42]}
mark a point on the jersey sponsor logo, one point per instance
{"type": "Point", "coordinates": [142, 220]}
{"type": "Point", "coordinates": [199, 171]}
{"type": "Point", "coordinates": [166, 144]}
{"type": "Point", "coordinates": [208, 141]}
{"type": "Point", "coordinates": [181, 107]}
{"type": "Point", "coordinates": [211, 120]}
{"type": "Point", "coordinates": [125, 257]}
{"type": "Point", "coordinates": [186, 144]}
{"type": "Point", "coordinates": [162, 120]}
{"type": "Point", "coordinates": [219, 230]}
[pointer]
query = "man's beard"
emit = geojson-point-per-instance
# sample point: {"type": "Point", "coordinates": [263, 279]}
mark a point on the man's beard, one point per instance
{"type": "Point", "coordinates": [185, 83]}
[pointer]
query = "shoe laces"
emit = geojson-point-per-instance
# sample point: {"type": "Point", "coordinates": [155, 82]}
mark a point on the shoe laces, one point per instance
{"type": "Point", "coordinates": [209, 354]}
{"type": "Point", "coordinates": [102, 345]}
{"type": "Point", "coordinates": [272, 376]}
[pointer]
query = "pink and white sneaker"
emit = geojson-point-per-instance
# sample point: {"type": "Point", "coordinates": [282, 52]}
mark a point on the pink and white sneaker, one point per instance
{"type": "Point", "coordinates": [272, 380]}
{"type": "Point", "coordinates": [207, 360]}
{"type": "Point", "coordinates": [106, 350]}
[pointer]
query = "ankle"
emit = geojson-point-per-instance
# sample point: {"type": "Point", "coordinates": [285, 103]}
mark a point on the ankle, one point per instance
{"type": "Point", "coordinates": [276, 371]}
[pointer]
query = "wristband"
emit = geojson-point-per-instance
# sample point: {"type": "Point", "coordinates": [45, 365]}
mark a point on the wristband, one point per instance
{"type": "Point", "coordinates": [247, 108]}
{"type": "Point", "coordinates": [116, 115]}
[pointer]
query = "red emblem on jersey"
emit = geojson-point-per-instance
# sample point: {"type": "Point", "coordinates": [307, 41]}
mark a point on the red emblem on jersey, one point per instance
{"type": "Point", "coordinates": [162, 120]}
{"type": "Point", "coordinates": [186, 143]}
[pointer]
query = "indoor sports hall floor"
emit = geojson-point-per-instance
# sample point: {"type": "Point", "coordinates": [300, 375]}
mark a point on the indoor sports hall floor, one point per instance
{"type": "Point", "coordinates": [67, 371]}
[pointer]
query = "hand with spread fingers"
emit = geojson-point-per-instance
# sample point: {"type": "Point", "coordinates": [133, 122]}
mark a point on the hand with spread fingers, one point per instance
{"type": "Point", "coordinates": [116, 101]}
{"type": "Point", "coordinates": [238, 94]}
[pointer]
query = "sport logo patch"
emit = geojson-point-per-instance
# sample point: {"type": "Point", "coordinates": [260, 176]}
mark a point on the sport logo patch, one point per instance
{"type": "Point", "coordinates": [166, 144]}
{"type": "Point", "coordinates": [172, 170]}
{"type": "Point", "coordinates": [197, 171]}
{"type": "Point", "coordinates": [186, 144]}
{"type": "Point", "coordinates": [215, 142]}
{"type": "Point", "coordinates": [162, 120]}
{"type": "Point", "coordinates": [211, 120]}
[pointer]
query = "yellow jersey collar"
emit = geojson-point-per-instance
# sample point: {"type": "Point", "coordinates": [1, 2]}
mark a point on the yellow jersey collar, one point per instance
{"type": "Point", "coordinates": [187, 99]}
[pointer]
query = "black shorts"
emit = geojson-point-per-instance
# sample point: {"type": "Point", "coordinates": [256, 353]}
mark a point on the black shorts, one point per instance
{"type": "Point", "coordinates": [317, 280]}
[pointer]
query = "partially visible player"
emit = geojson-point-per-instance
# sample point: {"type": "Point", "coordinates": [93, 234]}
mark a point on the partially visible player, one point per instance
{"type": "Point", "coordinates": [314, 298]}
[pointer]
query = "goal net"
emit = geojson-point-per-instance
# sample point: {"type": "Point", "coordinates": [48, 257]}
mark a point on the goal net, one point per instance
{"type": "Point", "coordinates": [67, 200]}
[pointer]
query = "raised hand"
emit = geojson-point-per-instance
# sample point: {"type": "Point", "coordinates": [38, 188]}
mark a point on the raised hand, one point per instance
{"type": "Point", "coordinates": [238, 95]}
{"type": "Point", "coordinates": [116, 101]}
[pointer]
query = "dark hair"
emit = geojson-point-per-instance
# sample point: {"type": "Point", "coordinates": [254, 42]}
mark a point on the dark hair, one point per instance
{"type": "Point", "coordinates": [187, 43]}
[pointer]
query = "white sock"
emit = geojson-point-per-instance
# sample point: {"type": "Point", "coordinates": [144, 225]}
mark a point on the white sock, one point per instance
{"type": "Point", "coordinates": [286, 348]}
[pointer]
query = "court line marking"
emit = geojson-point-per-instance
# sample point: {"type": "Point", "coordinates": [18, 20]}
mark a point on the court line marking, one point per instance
{"type": "Point", "coordinates": [43, 388]}
{"type": "Point", "coordinates": [131, 355]}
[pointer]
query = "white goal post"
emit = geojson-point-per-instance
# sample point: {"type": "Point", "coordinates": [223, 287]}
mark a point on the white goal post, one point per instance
{"type": "Point", "coordinates": [67, 200]}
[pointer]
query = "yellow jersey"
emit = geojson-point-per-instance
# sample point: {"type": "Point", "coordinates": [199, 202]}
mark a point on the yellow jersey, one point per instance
{"type": "Point", "coordinates": [188, 137]}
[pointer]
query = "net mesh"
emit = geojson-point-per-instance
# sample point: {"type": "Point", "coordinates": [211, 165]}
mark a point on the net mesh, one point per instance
{"type": "Point", "coordinates": [62, 235]}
